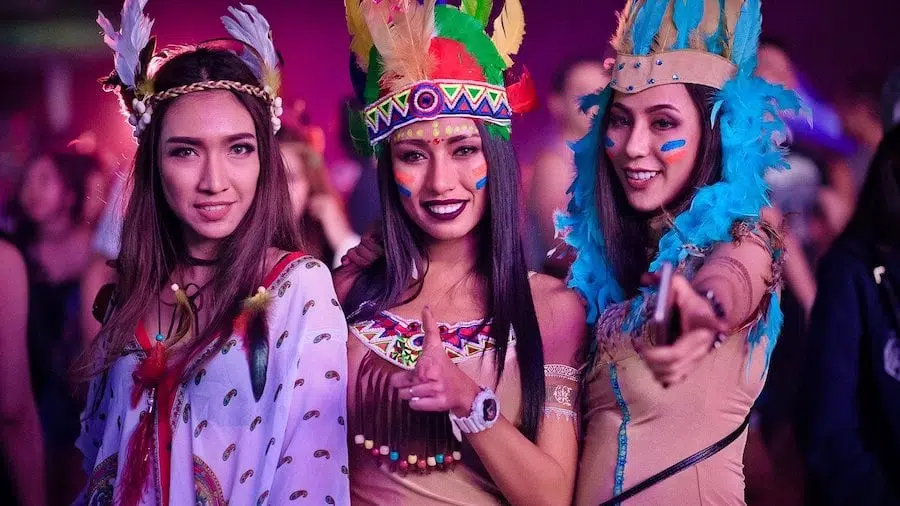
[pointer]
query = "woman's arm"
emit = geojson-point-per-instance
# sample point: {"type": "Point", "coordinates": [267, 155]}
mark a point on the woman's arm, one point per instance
{"type": "Point", "coordinates": [526, 473]}
{"type": "Point", "coordinates": [20, 436]}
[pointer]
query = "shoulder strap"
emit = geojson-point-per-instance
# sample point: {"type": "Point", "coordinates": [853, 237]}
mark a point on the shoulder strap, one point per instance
{"type": "Point", "coordinates": [668, 472]}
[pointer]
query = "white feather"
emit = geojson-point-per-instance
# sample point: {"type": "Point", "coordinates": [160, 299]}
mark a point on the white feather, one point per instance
{"type": "Point", "coordinates": [129, 41]}
{"type": "Point", "coordinates": [252, 28]}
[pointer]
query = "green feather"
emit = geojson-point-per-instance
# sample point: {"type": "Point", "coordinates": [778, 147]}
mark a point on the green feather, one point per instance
{"type": "Point", "coordinates": [499, 131]}
{"type": "Point", "coordinates": [478, 9]}
{"type": "Point", "coordinates": [359, 134]}
{"type": "Point", "coordinates": [373, 77]}
{"type": "Point", "coordinates": [452, 24]}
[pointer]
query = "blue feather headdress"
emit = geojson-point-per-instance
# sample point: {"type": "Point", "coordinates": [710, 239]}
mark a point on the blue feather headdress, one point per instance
{"type": "Point", "coordinates": [714, 44]}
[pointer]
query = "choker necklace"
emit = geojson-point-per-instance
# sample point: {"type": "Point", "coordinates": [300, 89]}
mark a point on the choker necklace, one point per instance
{"type": "Point", "coordinates": [200, 262]}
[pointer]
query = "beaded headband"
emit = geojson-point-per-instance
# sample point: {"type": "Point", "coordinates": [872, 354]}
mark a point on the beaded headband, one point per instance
{"type": "Point", "coordinates": [417, 60]}
{"type": "Point", "coordinates": [134, 50]}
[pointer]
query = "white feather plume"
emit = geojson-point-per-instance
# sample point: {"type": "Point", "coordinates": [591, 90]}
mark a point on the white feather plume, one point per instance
{"type": "Point", "coordinates": [252, 28]}
{"type": "Point", "coordinates": [129, 41]}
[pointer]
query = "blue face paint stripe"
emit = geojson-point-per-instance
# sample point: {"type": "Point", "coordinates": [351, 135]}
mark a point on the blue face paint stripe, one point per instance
{"type": "Point", "coordinates": [672, 145]}
{"type": "Point", "coordinates": [481, 183]}
{"type": "Point", "coordinates": [609, 142]}
{"type": "Point", "coordinates": [404, 190]}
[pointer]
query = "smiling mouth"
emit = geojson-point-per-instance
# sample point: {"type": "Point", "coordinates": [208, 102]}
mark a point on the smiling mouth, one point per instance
{"type": "Point", "coordinates": [444, 210]}
{"type": "Point", "coordinates": [639, 179]}
{"type": "Point", "coordinates": [213, 211]}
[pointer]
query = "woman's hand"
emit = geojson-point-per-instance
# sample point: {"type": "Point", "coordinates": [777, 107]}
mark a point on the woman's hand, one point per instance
{"type": "Point", "coordinates": [436, 384]}
{"type": "Point", "coordinates": [369, 249]}
{"type": "Point", "coordinates": [700, 329]}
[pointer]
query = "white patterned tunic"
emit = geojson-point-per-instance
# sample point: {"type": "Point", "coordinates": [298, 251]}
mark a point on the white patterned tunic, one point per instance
{"type": "Point", "coordinates": [226, 448]}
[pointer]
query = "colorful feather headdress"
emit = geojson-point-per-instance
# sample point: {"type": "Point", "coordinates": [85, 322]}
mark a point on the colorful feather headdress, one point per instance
{"type": "Point", "coordinates": [417, 60]}
{"type": "Point", "coordinates": [135, 50]}
{"type": "Point", "coordinates": [708, 42]}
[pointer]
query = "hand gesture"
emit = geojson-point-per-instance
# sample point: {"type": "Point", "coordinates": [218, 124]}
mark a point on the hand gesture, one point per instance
{"type": "Point", "coordinates": [436, 384]}
{"type": "Point", "coordinates": [369, 249]}
{"type": "Point", "coordinates": [700, 329]}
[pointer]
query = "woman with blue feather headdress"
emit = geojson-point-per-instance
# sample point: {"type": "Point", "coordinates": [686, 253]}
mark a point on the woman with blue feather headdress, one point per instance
{"type": "Point", "coordinates": [671, 175]}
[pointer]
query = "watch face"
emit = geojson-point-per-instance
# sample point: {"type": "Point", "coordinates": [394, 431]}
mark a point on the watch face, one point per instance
{"type": "Point", "coordinates": [489, 410]}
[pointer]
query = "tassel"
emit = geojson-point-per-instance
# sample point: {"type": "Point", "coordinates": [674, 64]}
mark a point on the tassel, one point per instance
{"type": "Point", "coordinates": [148, 375]}
{"type": "Point", "coordinates": [186, 315]}
{"type": "Point", "coordinates": [137, 466]}
{"type": "Point", "coordinates": [252, 325]}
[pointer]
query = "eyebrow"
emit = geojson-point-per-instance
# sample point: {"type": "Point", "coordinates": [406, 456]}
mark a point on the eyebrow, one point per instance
{"type": "Point", "coordinates": [193, 141]}
{"type": "Point", "coordinates": [651, 109]}
{"type": "Point", "coordinates": [451, 140]}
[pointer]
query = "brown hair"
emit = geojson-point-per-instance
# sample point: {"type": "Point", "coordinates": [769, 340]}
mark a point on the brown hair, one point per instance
{"type": "Point", "coordinates": [152, 243]}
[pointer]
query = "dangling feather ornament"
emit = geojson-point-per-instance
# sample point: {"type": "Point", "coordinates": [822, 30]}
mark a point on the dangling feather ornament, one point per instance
{"type": "Point", "coordinates": [252, 325]}
{"type": "Point", "coordinates": [128, 43]}
{"type": "Point", "coordinates": [252, 28]}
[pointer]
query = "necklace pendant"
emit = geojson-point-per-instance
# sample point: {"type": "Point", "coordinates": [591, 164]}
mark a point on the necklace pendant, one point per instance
{"type": "Point", "coordinates": [160, 338]}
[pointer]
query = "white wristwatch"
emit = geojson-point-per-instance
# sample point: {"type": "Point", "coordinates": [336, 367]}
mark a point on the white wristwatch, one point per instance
{"type": "Point", "coordinates": [484, 414]}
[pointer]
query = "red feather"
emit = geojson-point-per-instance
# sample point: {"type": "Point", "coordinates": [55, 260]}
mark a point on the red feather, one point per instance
{"type": "Point", "coordinates": [453, 61]}
{"type": "Point", "coordinates": [520, 89]}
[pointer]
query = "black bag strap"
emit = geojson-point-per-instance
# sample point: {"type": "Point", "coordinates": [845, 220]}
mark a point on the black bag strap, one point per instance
{"type": "Point", "coordinates": [668, 472]}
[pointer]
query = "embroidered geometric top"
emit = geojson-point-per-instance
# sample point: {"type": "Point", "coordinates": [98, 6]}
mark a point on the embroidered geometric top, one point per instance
{"type": "Point", "coordinates": [400, 456]}
{"type": "Point", "coordinates": [227, 448]}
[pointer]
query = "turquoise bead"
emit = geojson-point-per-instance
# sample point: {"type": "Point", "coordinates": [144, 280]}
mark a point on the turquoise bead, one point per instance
{"type": "Point", "coordinates": [439, 458]}
{"type": "Point", "coordinates": [160, 337]}
{"type": "Point", "coordinates": [395, 456]}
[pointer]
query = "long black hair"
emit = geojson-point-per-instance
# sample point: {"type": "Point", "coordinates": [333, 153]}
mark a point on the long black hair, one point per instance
{"type": "Point", "coordinates": [877, 216]}
{"type": "Point", "coordinates": [501, 263]}
{"type": "Point", "coordinates": [625, 229]}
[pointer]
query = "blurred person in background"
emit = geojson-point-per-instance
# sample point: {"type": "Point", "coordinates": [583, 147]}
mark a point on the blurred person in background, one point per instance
{"type": "Point", "coordinates": [54, 239]}
{"type": "Point", "coordinates": [319, 209]}
{"type": "Point", "coordinates": [22, 480]}
{"type": "Point", "coordinates": [554, 167]}
{"type": "Point", "coordinates": [849, 422]}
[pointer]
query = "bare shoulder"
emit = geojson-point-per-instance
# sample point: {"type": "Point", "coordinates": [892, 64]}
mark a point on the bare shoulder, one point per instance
{"type": "Point", "coordinates": [560, 314]}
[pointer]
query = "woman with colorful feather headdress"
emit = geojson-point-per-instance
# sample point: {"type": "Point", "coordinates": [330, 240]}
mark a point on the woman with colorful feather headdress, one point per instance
{"type": "Point", "coordinates": [671, 174]}
{"type": "Point", "coordinates": [427, 425]}
{"type": "Point", "coordinates": [219, 374]}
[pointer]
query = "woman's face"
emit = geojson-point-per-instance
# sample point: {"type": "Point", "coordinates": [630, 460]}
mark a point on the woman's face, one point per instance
{"type": "Point", "coordinates": [298, 183]}
{"type": "Point", "coordinates": [652, 142]}
{"type": "Point", "coordinates": [45, 196]}
{"type": "Point", "coordinates": [441, 175]}
{"type": "Point", "coordinates": [209, 164]}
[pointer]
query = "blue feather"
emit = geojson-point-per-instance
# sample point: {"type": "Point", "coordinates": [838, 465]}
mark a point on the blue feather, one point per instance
{"type": "Point", "coordinates": [715, 41]}
{"type": "Point", "coordinates": [687, 16]}
{"type": "Point", "coordinates": [646, 25]}
{"type": "Point", "coordinates": [746, 37]}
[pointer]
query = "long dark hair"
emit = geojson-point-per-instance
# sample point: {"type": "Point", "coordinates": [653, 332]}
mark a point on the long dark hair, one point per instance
{"type": "Point", "coordinates": [501, 263]}
{"type": "Point", "coordinates": [152, 241]}
{"type": "Point", "coordinates": [877, 216]}
{"type": "Point", "coordinates": [626, 230]}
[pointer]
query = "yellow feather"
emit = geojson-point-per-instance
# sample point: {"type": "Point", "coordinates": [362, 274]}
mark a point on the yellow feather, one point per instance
{"type": "Point", "coordinates": [509, 30]}
{"type": "Point", "coordinates": [360, 38]}
{"type": "Point", "coordinates": [621, 41]}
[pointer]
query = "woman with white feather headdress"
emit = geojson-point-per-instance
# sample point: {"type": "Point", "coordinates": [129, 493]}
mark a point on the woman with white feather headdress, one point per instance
{"type": "Point", "coordinates": [670, 182]}
{"type": "Point", "coordinates": [219, 374]}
